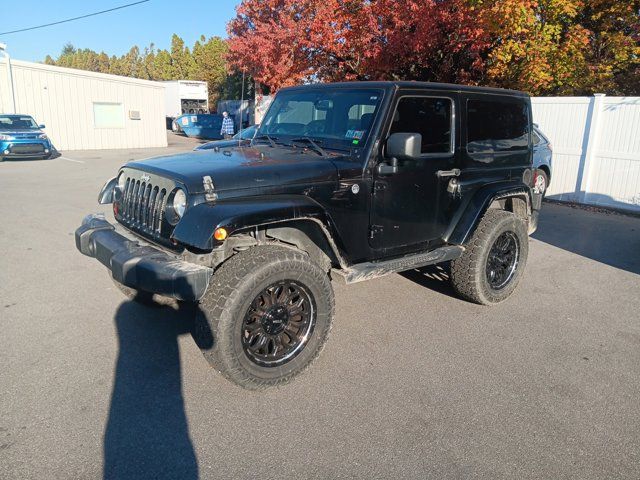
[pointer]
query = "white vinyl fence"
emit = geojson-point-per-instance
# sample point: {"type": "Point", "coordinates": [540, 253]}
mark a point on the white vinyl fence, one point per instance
{"type": "Point", "coordinates": [596, 148]}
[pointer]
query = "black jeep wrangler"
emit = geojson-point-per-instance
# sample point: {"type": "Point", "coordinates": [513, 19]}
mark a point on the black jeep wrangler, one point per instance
{"type": "Point", "coordinates": [345, 181]}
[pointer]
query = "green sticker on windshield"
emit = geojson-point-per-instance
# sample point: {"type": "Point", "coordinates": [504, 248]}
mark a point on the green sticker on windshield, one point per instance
{"type": "Point", "coordinates": [356, 141]}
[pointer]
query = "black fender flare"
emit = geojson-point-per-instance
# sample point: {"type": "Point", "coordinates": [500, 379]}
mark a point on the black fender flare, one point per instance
{"type": "Point", "coordinates": [106, 192]}
{"type": "Point", "coordinates": [468, 217]}
{"type": "Point", "coordinates": [198, 224]}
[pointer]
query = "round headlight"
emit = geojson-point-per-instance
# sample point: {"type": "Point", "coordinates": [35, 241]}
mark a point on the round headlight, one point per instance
{"type": "Point", "coordinates": [179, 202]}
{"type": "Point", "coordinates": [121, 181]}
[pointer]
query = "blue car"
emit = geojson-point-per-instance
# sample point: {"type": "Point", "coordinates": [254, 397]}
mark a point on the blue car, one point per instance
{"type": "Point", "coordinates": [542, 160]}
{"type": "Point", "coordinates": [22, 137]}
{"type": "Point", "coordinates": [200, 125]}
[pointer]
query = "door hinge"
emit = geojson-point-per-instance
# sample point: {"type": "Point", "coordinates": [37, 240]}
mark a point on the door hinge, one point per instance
{"type": "Point", "coordinates": [375, 230]}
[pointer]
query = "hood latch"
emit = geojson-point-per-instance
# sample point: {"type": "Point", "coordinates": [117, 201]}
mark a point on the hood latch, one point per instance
{"type": "Point", "coordinates": [209, 190]}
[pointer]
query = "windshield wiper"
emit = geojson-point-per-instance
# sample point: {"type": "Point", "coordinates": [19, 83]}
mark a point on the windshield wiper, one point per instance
{"type": "Point", "coordinates": [313, 143]}
{"type": "Point", "coordinates": [266, 136]}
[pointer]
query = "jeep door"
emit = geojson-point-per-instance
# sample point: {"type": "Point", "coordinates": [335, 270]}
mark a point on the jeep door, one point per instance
{"type": "Point", "coordinates": [411, 208]}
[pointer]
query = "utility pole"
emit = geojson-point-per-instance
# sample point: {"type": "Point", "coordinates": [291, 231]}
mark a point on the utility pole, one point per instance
{"type": "Point", "coordinates": [3, 50]}
{"type": "Point", "coordinates": [242, 100]}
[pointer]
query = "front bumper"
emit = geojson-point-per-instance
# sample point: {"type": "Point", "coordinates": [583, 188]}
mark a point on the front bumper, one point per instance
{"type": "Point", "coordinates": [142, 267]}
{"type": "Point", "coordinates": [27, 148]}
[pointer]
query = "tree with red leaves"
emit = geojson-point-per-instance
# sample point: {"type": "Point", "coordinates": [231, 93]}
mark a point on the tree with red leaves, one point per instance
{"type": "Point", "coordinates": [286, 42]}
{"type": "Point", "coordinates": [566, 47]}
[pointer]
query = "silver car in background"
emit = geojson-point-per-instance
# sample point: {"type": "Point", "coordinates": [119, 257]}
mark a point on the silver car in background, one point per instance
{"type": "Point", "coordinates": [542, 160]}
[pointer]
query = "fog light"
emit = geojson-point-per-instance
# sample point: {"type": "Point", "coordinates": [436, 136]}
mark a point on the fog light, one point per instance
{"type": "Point", "coordinates": [46, 150]}
{"type": "Point", "coordinates": [6, 152]}
{"type": "Point", "coordinates": [220, 234]}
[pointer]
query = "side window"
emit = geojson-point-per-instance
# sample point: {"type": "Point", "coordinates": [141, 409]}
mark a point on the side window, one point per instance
{"type": "Point", "coordinates": [497, 125]}
{"type": "Point", "coordinates": [430, 117]}
{"type": "Point", "coordinates": [535, 138]}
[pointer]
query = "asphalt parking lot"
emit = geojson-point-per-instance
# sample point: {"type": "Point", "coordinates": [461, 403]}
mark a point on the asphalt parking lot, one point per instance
{"type": "Point", "coordinates": [414, 383]}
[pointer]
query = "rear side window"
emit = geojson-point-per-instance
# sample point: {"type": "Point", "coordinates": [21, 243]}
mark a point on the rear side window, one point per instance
{"type": "Point", "coordinates": [536, 138]}
{"type": "Point", "coordinates": [430, 117]}
{"type": "Point", "coordinates": [497, 125]}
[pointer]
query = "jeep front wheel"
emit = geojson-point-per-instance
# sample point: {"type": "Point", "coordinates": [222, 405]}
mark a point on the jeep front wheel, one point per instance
{"type": "Point", "coordinates": [269, 311]}
{"type": "Point", "coordinates": [492, 265]}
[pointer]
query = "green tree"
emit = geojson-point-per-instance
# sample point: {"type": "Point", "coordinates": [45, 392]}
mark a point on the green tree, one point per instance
{"type": "Point", "coordinates": [206, 61]}
{"type": "Point", "coordinates": [182, 62]}
{"type": "Point", "coordinates": [209, 56]}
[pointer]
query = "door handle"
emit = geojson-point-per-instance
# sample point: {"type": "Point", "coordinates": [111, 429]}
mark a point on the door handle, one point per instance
{"type": "Point", "coordinates": [448, 173]}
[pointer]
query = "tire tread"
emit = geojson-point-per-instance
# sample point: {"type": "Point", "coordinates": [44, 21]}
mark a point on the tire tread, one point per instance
{"type": "Point", "coordinates": [222, 294]}
{"type": "Point", "coordinates": [466, 270]}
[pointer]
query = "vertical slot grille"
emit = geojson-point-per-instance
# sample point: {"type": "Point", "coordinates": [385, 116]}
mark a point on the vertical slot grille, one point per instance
{"type": "Point", "coordinates": [143, 205]}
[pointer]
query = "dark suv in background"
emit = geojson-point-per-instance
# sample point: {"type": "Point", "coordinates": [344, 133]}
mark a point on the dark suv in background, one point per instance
{"type": "Point", "coordinates": [346, 181]}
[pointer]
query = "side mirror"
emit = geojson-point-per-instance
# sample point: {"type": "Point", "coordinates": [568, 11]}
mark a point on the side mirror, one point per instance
{"type": "Point", "coordinates": [404, 146]}
{"type": "Point", "coordinates": [41, 126]}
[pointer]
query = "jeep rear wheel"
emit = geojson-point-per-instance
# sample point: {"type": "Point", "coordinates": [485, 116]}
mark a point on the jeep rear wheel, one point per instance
{"type": "Point", "coordinates": [492, 265]}
{"type": "Point", "coordinates": [269, 310]}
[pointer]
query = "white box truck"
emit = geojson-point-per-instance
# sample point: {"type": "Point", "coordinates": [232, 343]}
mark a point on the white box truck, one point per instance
{"type": "Point", "coordinates": [185, 96]}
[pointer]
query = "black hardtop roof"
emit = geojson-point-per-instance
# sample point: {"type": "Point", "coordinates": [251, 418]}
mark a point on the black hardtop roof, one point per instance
{"type": "Point", "coordinates": [412, 84]}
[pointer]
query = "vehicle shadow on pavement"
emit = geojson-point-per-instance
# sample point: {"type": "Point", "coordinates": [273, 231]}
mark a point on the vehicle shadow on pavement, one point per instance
{"type": "Point", "coordinates": [147, 433]}
{"type": "Point", "coordinates": [608, 238]}
{"type": "Point", "coordinates": [433, 277]}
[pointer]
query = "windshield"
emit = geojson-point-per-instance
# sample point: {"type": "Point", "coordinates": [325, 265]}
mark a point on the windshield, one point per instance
{"type": "Point", "coordinates": [338, 118]}
{"type": "Point", "coordinates": [246, 134]}
{"type": "Point", "coordinates": [17, 122]}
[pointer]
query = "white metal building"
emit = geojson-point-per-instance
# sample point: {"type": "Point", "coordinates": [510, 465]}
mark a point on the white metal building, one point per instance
{"type": "Point", "coordinates": [185, 96]}
{"type": "Point", "coordinates": [86, 110]}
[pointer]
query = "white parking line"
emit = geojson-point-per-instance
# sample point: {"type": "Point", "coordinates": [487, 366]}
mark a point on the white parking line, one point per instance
{"type": "Point", "coordinates": [71, 160]}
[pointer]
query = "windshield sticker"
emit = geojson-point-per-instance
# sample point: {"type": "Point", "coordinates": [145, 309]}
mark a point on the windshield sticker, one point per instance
{"type": "Point", "coordinates": [356, 134]}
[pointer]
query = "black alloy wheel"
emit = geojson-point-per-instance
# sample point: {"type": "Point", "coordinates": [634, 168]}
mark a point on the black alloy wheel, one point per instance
{"type": "Point", "coordinates": [278, 324]}
{"type": "Point", "coordinates": [502, 261]}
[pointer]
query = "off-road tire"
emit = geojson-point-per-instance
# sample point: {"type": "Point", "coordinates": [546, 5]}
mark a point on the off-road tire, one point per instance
{"type": "Point", "coordinates": [468, 272]}
{"type": "Point", "coordinates": [233, 288]}
{"type": "Point", "coordinates": [144, 298]}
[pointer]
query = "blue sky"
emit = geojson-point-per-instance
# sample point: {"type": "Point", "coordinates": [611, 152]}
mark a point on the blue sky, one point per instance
{"type": "Point", "coordinates": [114, 32]}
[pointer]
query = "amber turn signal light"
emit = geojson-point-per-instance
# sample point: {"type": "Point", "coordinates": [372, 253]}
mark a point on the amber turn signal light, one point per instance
{"type": "Point", "coordinates": [220, 234]}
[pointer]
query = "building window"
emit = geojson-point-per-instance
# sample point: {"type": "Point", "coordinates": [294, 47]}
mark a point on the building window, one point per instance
{"type": "Point", "coordinates": [108, 115]}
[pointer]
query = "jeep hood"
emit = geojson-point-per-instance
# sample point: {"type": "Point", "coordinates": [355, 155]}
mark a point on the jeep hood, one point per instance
{"type": "Point", "coordinates": [241, 168]}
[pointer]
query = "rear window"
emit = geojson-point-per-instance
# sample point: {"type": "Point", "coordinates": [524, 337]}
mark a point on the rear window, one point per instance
{"type": "Point", "coordinates": [536, 138]}
{"type": "Point", "coordinates": [497, 125]}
